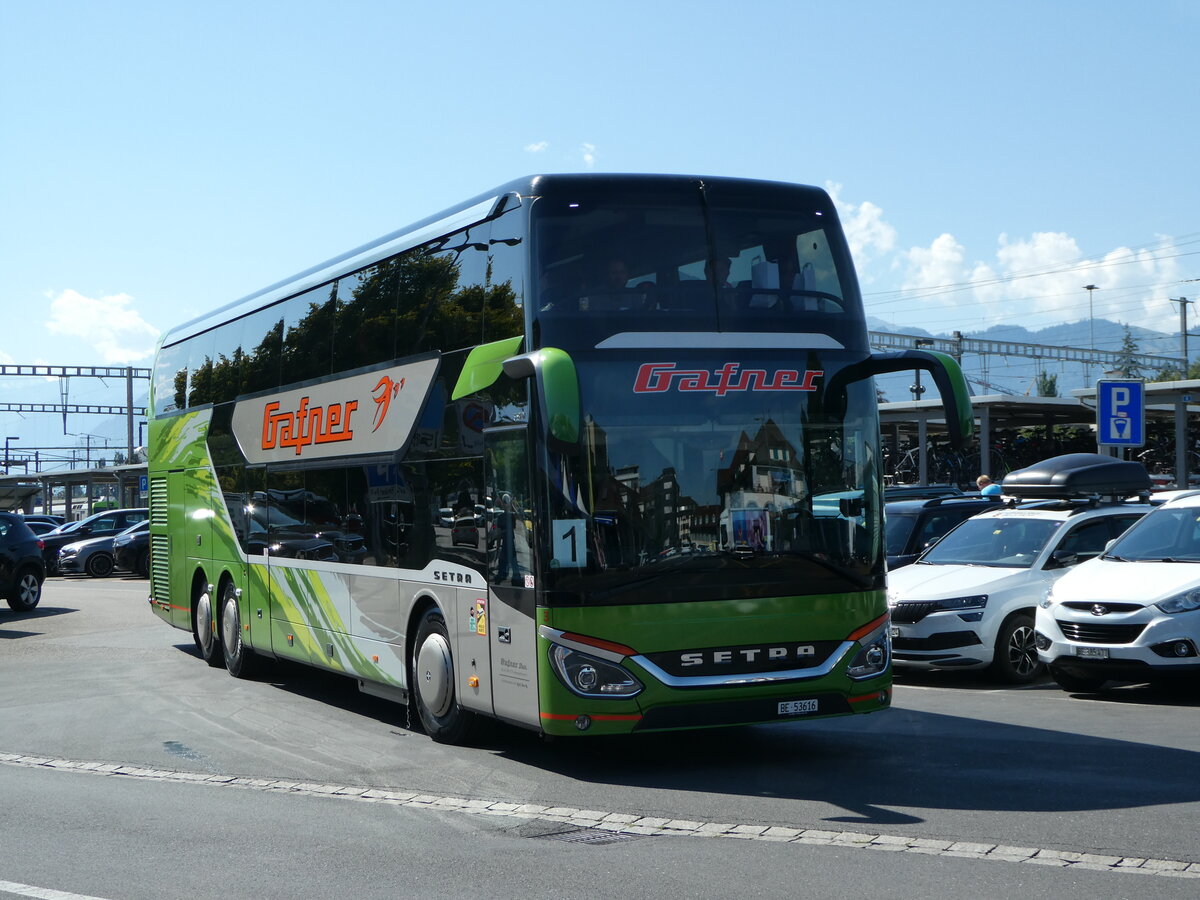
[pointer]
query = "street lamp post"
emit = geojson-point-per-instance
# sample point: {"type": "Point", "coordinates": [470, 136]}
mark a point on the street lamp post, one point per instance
{"type": "Point", "coordinates": [1091, 326]}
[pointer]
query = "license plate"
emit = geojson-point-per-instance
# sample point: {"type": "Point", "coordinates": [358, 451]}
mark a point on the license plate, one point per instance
{"type": "Point", "coordinates": [1092, 652]}
{"type": "Point", "coordinates": [797, 707]}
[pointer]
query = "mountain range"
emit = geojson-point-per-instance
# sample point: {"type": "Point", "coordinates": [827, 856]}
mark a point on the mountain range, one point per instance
{"type": "Point", "coordinates": [992, 374]}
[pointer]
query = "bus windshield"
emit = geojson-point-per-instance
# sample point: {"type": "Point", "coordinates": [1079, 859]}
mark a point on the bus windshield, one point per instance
{"type": "Point", "coordinates": [682, 493]}
{"type": "Point", "coordinates": [690, 256]}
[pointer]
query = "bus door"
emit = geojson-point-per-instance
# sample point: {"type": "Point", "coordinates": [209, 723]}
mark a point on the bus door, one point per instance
{"type": "Point", "coordinates": [511, 626]}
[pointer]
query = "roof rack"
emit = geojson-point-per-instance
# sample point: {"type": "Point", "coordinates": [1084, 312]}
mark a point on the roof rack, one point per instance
{"type": "Point", "coordinates": [1078, 476]}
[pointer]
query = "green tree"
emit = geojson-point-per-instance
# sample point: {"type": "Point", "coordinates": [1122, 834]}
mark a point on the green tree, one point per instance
{"type": "Point", "coordinates": [1047, 385]}
{"type": "Point", "coordinates": [1127, 364]}
{"type": "Point", "coordinates": [1176, 373]}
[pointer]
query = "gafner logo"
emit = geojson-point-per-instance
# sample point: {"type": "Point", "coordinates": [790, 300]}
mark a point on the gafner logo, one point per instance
{"type": "Point", "coordinates": [653, 378]}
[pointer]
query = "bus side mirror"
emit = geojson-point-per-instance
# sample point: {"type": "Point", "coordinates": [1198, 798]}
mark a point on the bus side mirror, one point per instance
{"type": "Point", "coordinates": [947, 376]}
{"type": "Point", "coordinates": [554, 373]}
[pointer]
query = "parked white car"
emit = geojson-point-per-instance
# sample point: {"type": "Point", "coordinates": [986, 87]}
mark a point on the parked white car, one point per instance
{"type": "Point", "coordinates": [969, 601]}
{"type": "Point", "coordinates": [1132, 614]}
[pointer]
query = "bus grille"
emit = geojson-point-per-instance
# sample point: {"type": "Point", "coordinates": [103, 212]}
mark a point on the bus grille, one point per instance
{"type": "Point", "coordinates": [160, 568]}
{"type": "Point", "coordinates": [1087, 633]}
{"type": "Point", "coordinates": [158, 502]}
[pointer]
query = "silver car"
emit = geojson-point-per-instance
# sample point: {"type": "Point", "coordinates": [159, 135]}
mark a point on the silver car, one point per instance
{"type": "Point", "coordinates": [92, 556]}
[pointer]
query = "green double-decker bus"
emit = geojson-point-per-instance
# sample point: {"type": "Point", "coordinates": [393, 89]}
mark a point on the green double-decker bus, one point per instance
{"type": "Point", "coordinates": [589, 454]}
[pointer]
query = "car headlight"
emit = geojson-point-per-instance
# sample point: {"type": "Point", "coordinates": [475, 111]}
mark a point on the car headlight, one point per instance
{"type": "Point", "coordinates": [975, 601]}
{"type": "Point", "coordinates": [874, 654]}
{"type": "Point", "coordinates": [1048, 600]}
{"type": "Point", "coordinates": [1188, 601]}
{"type": "Point", "coordinates": [590, 676]}
{"type": "Point", "coordinates": [67, 553]}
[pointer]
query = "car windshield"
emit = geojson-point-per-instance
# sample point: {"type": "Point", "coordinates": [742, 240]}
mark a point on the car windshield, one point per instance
{"type": "Point", "coordinates": [1007, 543]}
{"type": "Point", "coordinates": [899, 527]}
{"type": "Point", "coordinates": [1165, 534]}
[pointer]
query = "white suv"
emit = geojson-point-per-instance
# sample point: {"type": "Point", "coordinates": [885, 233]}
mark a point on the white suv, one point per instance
{"type": "Point", "coordinates": [969, 601]}
{"type": "Point", "coordinates": [1132, 614]}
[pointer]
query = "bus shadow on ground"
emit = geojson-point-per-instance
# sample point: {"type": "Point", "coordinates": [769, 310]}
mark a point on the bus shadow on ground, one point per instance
{"type": "Point", "coordinates": [906, 759]}
{"type": "Point", "coordinates": [866, 767]}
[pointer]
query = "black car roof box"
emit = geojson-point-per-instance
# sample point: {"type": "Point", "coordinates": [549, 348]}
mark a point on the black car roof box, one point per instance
{"type": "Point", "coordinates": [1078, 475]}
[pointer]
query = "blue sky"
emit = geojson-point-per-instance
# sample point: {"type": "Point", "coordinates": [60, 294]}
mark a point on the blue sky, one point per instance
{"type": "Point", "coordinates": [159, 160]}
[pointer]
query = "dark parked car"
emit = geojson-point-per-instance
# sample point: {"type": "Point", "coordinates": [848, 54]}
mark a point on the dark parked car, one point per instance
{"type": "Point", "coordinates": [131, 550]}
{"type": "Point", "coordinates": [913, 524]}
{"type": "Point", "coordinates": [101, 524]}
{"type": "Point", "coordinates": [920, 491]}
{"type": "Point", "coordinates": [37, 526]}
{"type": "Point", "coordinates": [54, 521]}
{"type": "Point", "coordinates": [21, 568]}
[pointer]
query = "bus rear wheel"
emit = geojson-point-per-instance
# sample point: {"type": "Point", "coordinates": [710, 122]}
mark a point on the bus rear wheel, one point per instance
{"type": "Point", "coordinates": [240, 660]}
{"type": "Point", "coordinates": [208, 642]}
{"type": "Point", "coordinates": [432, 690]}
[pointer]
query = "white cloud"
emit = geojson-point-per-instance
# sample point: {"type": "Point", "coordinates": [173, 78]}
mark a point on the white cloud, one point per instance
{"type": "Point", "coordinates": [1034, 281]}
{"type": "Point", "coordinates": [867, 233]}
{"type": "Point", "coordinates": [110, 325]}
{"type": "Point", "coordinates": [539, 147]}
{"type": "Point", "coordinates": [589, 154]}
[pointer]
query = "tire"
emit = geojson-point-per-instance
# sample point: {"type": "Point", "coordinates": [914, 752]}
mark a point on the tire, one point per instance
{"type": "Point", "coordinates": [204, 631]}
{"type": "Point", "coordinates": [1016, 660]}
{"type": "Point", "coordinates": [240, 660]}
{"type": "Point", "coordinates": [433, 681]}
{"type": "Point", "coordinates": [142, 566]}
{"type": "Point", "coordinates": [27, 590]}
{"type": "Point", "coordinates": [1077, 684]}
{"type": "Point", "coordinates": [99, 565]}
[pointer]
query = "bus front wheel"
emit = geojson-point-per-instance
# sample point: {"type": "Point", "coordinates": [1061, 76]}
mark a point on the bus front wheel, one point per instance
{"type": "Point", "coordinates": [208, 643]}
{"type": "Point", "coordinates": [239, 659]}
{"type": "Point", "coordinates": [433, 683]}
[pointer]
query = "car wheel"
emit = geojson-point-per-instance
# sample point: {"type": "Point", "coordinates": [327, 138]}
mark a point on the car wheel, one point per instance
{"type": "Point", "coordinates": [1079, 684]}
{"type": "Point", "coordinates": [240, 660]}
{"type": "Point", "coordinates": [1016, 659]}
{"type": "Point", "coordinates": [142, 566]}
{"type": "Point", "coordinates": [433, 683]}
{"type": "Point", "coordinates": [204, 632]}
{"type": "Point", "coordinates": [27, 591]}
{"type": "Point", "coordinates": [99, 565]}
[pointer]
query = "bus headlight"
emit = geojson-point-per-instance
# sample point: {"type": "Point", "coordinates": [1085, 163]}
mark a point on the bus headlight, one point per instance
{"type": "Point", "coordinates": [875, 654]}
{"type": "Point", "coordinates": [590, 676]}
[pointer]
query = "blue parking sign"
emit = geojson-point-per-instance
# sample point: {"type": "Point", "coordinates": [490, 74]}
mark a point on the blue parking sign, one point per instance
{"type": "Point", "coordinates": [1120, 413]}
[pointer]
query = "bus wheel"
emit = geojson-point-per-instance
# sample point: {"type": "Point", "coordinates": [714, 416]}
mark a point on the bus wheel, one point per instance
{"type": "Point", "coordinates": [433, 688]}
{"type": "Point", "coordinates": [1016, 659]}
{"type": "Point", "coordinates": [240, 660]}
{"type": "Point", "coordinates": [203, 633]}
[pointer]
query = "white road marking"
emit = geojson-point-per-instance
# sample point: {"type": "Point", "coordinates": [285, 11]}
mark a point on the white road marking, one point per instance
{"type": "Point", "coordinates": [625, 823]}
{"type": "Point", "coordinates": [28, 890]}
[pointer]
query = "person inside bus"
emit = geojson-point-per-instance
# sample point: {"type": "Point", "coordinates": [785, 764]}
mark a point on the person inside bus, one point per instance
{"type": "Point", "coordinates": [609, 289]}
